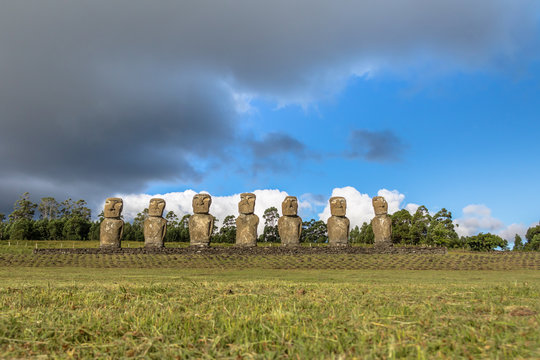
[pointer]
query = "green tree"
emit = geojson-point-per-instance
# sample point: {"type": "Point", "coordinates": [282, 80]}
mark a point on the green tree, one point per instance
{"type": "Point", "coordinates": [401, 227]}
{"type": "Point", "coordinates": [93, 233]}
{"type": "Point", "coordinates": [216, 227]}
{"type": "Point", "coordinates": [136, 229]}
{"type": "Point", "coordinates": [441, 230]}
{"type": "Point", "coordinates": [270, 232]}
{"type": "Point", "coordinates": [41, 229]}
{"type": "Point", "coordinates": [354, 235]}
{"type": "Point", "coordinates": [48, 208]}
{"type": "Point", "coordinates": [140, 218]}
{"type": "Point", "coordinates": [23, 209]}
{"type": "Point", "coordinates": [21, 229]}
{"type": "Point", "coordinates": [76, 216]}
{"type": "Point", "coordinates": [65, 208]}
{"type": "Point", "coordinates": [183, 226]}
{"type": "Point", "coordinates": [129, 234]}
{"type": "Point", "coordinates": [366, 234]}
{"type": "Point", "coordinates": [81, 210]}
{"type": "Point", "coordinates": [177, 230]}
{"type": "Point", "coordinates": [76, 228]}
{"type": "Point", "coordinates": [314, 232]}
{"type": "Point", "coordinates": [172, 219]}
{"type": "Point", "coordinates": [486, 242]}
{"type": "Point", "coordinates": [518, 243]}
{"type": "Point", "coordinates": [533, 239]}
{"type": "Point", "coordinates": [419, 226]}
{"type": "Point", "coordinates": [3, 227]}
{"type": "Point", "coordinates": [56, 229]}
{"type": "Point", "coordinates": [227, 233]}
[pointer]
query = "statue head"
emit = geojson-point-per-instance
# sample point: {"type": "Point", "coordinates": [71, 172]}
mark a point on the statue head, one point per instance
{"type": "Point", "coordinates": [201, 203]}
{"type": "Point", "coordinates": [246, 205]}
{"type": "Point", "coordinates": [380, 205]}
{"type": "Point", "coordinates": [289, 206]}
{"type": "Point", "coordinates": [156, 207]}
{"type": "Point", "coordinates": [338, 206]}
{"type": "Point", "coordinates": [113, 208]}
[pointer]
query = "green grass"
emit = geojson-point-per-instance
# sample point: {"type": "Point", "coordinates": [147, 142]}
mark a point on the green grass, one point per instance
{"type": "Point", "coordinates": [156, 307]}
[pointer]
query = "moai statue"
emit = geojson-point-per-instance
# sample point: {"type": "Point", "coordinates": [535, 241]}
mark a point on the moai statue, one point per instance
{"type": "Point", "coordinates": [247, 221]}
{"type": "Point", "coordinates": [382, 222]}
{"type": "Point", "coordinates": [201, 223]}
{"type": "Point", "coordinates": [112, 227]}
{"type": "Point", "coordinates": [155, 226]}
{"type": "Point", "coordinates": [338, 224]}
{"type": "Point", "coordinates": [290, 224]}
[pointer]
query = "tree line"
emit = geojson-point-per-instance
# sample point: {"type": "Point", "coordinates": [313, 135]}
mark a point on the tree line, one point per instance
{"type": "Point", "coordinates": [71, 220]}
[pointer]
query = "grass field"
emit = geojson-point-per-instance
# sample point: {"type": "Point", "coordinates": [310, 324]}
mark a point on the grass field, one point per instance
{"type": "Point", "coordinates": [113, 306]}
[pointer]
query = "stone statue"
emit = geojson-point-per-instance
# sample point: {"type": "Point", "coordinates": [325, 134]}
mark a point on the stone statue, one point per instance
{"type": "Point", "coordinates": [338, 224]}
{"type": "Point", "coordinates": [382, 222]}
{"type": "Point", "coordinates": [112, 227]}
{"type": "Point", "coordinates": [290, 224]}
{"type": "Point", "coordinates": [155, 226]}
{"type": "Point", "coordinates": [201, 223]}
{"type": "Point", "coordinates": [247, 221]}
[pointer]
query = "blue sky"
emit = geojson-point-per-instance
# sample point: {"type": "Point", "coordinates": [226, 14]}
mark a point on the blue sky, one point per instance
{"type": "Point", "coordinates": [432, 103]}
{"type": "Point", "coordinates": [467, 138]}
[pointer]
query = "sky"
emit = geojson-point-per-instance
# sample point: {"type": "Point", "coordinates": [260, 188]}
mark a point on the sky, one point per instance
{"type": "Point", "coordinates": [426, 103]}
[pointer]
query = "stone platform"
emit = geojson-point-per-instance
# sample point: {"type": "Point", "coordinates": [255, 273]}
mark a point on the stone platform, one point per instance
{"type": "Point", "coordinates": [259, 250]}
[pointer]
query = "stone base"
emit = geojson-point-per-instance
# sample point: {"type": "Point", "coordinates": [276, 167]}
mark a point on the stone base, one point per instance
{"type": "Point", "coordinates": [383, 245]}
{"type": "Point", "coordinates": [290, 245]}
{"type": "Point", "coordinates": [245, 245]}
{"type": "Point", "coordinates": [154, 246]}
{"type": "Point", "coordinates": [109, 247]}
{"type": "Point", "coordinates": [338, 244]}
{"type": "Point", "coordinates": [199, 245]}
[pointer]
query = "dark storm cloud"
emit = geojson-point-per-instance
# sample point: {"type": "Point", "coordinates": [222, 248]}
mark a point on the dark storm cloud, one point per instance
{"type": "Point", "coordinates": [376, 146]}
{"type": "Point", "coordinates": [276, 152]}
{"type": "Point", "coordinates": [99, 97]}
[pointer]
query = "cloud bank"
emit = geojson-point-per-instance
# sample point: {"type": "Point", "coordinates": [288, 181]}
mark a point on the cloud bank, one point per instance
{"type": "Point", "coordinates": [477, 218]}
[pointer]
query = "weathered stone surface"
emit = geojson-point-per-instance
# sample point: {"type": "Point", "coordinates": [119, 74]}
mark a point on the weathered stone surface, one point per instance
{"type": "Point", "coordinates": [156, 207]}
{"type": "Point", "coordinates": [247, 203]}
{"type": "Point", "coordinates": [380, 206]}
{"type": "Point", "coordinates": [290, 224]}
{"type": "Point", "coordinates": [247, 221]}
{"type": "Point", "coordinates": [113, 208]}
{"type": "Point", "coordinates": [338, 224]}
{"type": "Point", "coordinates": [112, 227]}
{"type": "Point", "coordinates": [155, 226]}
{"type": "Point", "coordinates": [201, 203]}
{"type": "Point", "coordinates": [382, 222]}
{"type": "Point", "coordinates": [201, 224]}
{"type": "Point", "coordinates": [338, 206]}
{"type": "Point", "coordinates": [289, 206]}
{"type": "Point", "coordinates": [290, 230]}
{"type": "Point", "coordinates": [338, 230]}
{"type": "Point", "coordinates": [246, 230]}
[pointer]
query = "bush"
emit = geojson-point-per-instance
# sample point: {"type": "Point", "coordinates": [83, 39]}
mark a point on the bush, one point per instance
{"type": "Point", "coordinates": [486, 242]}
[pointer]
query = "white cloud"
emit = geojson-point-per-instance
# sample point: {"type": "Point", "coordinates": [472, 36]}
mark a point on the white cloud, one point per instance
{"type": "Point", "coordinates": [477, 218]}
{"type": "Point", "coordinates": [412, 208]}
{"type": "Point", "coordinates": [509, 233]}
